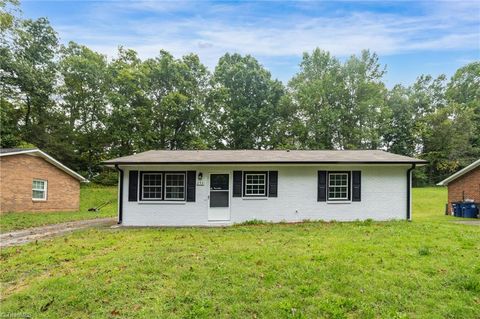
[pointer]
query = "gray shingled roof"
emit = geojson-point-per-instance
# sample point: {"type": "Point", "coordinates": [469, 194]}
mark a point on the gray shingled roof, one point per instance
{"type": "Point", "coordinates": [262, 156]}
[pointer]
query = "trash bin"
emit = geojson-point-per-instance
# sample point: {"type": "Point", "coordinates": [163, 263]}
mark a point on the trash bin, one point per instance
{"type": "Point", "coordinates": [457, 209]}
{"type": "Point", "coordinates": [469, 210]}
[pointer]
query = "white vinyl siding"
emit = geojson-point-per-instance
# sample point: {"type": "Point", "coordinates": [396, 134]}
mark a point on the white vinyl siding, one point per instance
{"type": "Point", "coordinates": [39, 189]}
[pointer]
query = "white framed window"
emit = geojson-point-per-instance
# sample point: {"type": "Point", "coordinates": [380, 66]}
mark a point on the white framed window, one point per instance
{"type": "Point", "coordinates": [174, 186]}
{"type": "Point", "coordinates": [39, 189]}
{"type": "Point", "coordinates": [152, 186]}
{"type": "Point", "coordinates": [338, 186]}
{"type": "Point", "coordinates": [255, 184]}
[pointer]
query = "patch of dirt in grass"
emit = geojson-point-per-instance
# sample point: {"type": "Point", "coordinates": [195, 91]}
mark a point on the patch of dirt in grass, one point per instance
{"type": "Point", "coordinates": [468, 222]}
{"type": "Point", "coordinates": [32, 234]}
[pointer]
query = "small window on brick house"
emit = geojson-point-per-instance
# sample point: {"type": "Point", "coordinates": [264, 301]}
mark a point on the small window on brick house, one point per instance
{"type": "Point", "coordinates": [39, 189]}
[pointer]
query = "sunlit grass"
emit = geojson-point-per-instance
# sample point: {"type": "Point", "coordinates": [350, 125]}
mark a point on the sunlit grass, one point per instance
{"type": "Point", "coordinates": [427, 268]}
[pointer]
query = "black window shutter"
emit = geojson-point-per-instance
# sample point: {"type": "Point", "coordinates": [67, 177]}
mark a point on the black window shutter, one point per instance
{"type": "Point", "coordinates": [237, 183]}
{"type": "Point", "coordinates": [356, 186]}
{"type": "Point", "coordinates": [272, 184]}
{"type": "Point", "coordinates": [322, 186]}
{"type": "Point", "coordinates": [191, 181]}
{"type": "Point", "coordinates": [132, 186]}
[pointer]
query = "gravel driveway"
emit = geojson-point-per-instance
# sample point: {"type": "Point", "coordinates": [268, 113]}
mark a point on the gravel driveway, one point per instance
{"type": "Point", "coordinates": [24, 236]}
{"type": "Point", "coordinates": [468, 222]}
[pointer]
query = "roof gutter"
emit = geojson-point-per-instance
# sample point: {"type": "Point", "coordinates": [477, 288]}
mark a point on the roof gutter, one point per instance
{"type": "Point", "coordinates": [262, 163]}
{"type": "Point", "coordinates": [120, 195]}
{"type": "Point", "coordinates": [409, 192]}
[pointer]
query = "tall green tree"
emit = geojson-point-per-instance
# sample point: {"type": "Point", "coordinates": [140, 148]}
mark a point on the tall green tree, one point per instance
{"type": "Point", "coordinates": [288, 130]}
{"type": "Point", "coordinates": [8, 15]}
{"type": "Point", "coordinates": [399, 135]}
{"type": "Point", "coordinates": [445, 123]}
{"type": "Point", "coordinates": [28, 71]}
{"type": "Point", "coordinates": [342, 105]}
{"type": "Point", "coordinates": [363, 111]}
{"type": "Point", "coordinates": [177, 91]}
{"type": "Point", "coordinates": [464, 89]}
{"type": "Point", "coordinates": [128, 119]}
{"type": "Point", "coordinates": [10, 134]}
{"type": "Point", "coordinates": [244, 109]}
{"type": "Point", "coordinates": [447, 141]}
{"type": "Point", "coordinates": [84, 90]}
{"type": "Point", "coordinates": [317, 91]}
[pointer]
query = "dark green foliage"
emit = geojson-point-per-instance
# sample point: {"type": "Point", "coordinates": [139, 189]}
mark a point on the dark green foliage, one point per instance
{"type": "Point", "coordinates": [82, 108]}
{"type": "Point", "coordinates": [245, 105]}
{"type": "Point", "coordinates": [106, 177]}
{"type": "Point", "coordinates": [424, 251]}
{"type": "Point", "coordinates": [339, 106]}
{"type": "Point", "coordinates": [253, 222]}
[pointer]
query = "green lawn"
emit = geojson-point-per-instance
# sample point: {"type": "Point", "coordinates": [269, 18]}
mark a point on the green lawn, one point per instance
{"type": "Point", "coordinates": [428, 268]}
{"type": "Point", "coordinates": [90, 196]}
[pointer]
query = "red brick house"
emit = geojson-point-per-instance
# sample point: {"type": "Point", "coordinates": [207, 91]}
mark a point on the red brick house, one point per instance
{"type": "Point", "coordinates": [31, 180]}
{"type": "Point", "coordinates": [463, 185]}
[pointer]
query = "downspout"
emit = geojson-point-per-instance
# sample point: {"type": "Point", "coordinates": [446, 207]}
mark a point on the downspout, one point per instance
{"type": "Point", "coordinates": [409, 192]}
{"type": "Point", "coordinates": [120, 195]}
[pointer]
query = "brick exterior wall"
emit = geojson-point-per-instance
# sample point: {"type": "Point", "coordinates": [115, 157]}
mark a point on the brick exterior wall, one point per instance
{"type": "Point", "coordinates": [16, 175]}
{"type": "Point", "coordinates": [468, 184]}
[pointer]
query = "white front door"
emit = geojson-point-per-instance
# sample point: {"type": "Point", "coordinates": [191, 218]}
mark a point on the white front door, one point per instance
{"type": "Point", "coordinates": [219, 197]}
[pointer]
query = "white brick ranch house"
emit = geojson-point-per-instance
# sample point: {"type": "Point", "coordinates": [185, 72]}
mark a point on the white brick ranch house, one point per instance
{"type": "Point", "coordinates": [215, 188]}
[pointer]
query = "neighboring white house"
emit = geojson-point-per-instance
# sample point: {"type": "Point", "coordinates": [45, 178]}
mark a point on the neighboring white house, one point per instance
{"type": "Point", "coordinates": [214, 188]}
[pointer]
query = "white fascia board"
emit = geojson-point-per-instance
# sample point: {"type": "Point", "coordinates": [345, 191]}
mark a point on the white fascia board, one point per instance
{"type": "Point", "coordinates": [19, 152]}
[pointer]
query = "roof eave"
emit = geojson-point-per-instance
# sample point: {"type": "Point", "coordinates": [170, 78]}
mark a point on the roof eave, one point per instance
{"type": "Point", "coordinates": [112, 164]}
{"type": "Point", "coordinates": [19, 152]}
{"type": "Point", "coordinates": [64, 168]}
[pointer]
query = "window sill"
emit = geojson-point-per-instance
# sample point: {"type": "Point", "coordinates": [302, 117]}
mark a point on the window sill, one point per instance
{"type": "Point", "coordinates": [38, 200]}
{"type": "Point", "coordinates": [255, 198]}
{"type": "Point", "coordinates": [163, 202]}
{"type": "Point", "coordinates": [339, 202]}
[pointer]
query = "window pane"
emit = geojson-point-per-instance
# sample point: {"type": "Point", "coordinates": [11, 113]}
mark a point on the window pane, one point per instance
{"type": "Point", "coordinates": [338, 186]}
{"type": "Point", "coordinates": [174, 186]}
{"type": "Point", "coordinates": [36, 184]}
{"type": "Point", "coordinates": [219, 199]}
{"type": "Point", "coordinates": [38, 194]}
{"type": "Point", "coordinates": [255, 184]}
{"type": "Point", "coordinates": [152, 186]}
{"type": "Point", "coordinates": [219, 182]}
{"type": "Point", "coordinates": [39, 188]}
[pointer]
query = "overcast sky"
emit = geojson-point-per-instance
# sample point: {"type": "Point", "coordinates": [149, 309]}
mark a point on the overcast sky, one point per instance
{"type": "Point", "coordinates": [411, 37]}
